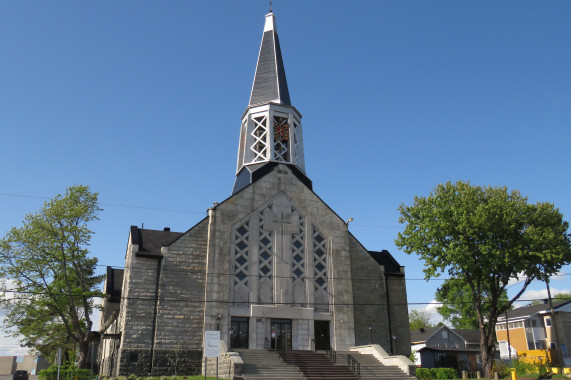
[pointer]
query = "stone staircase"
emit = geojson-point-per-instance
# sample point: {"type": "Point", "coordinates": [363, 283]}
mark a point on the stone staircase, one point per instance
{"type": "Point", "coordinates": [371, 368]}
{"type": "Point", "coordinates": [263, 364]}
{"type": "Point", "coordinates": [318, 366]}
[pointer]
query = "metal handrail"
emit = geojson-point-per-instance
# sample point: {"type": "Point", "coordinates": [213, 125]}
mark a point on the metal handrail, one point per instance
{"type": "Point", "coordinates": [354, 365]}
{"type": "Point", "coordinates": [300, 363]}
{"type": "Point", "coordinates": [332, 354]}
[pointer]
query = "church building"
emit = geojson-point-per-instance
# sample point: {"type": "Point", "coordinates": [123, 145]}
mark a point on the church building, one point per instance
{"type": "Point", "coordinates": [271, 267]}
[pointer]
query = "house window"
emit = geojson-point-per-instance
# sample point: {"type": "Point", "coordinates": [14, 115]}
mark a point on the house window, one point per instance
{"type": "Point", "coordinates": [551, 344]}
{"type": "Point", "coordinates": [444, 334]}
{"type": "Point", "coordinates": [548, 322]}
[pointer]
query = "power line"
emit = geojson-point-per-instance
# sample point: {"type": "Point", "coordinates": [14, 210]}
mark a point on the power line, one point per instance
{"type": "Point", "coordinates": [249, 303]}
{"type": "Point", "coordinates": [177, 210]}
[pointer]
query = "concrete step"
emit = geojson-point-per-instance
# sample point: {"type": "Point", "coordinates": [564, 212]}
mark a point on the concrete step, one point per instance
{"type": "Point", "coordinates": [263, 364]}
{"type": "Point", "coordinates": [371, 368]}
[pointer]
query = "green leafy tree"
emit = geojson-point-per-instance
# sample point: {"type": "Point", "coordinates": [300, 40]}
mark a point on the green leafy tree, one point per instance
{"type": "Point", "coordinates": [458, 305]}
{"type": "Point", "coordinates": [564, 296]}
{"type": "Point", "coordinates": [49, 279]}
{"type": "Point", "coordinates": [418, 319]}
{"type": "Point", "coordinates": [485, 236]}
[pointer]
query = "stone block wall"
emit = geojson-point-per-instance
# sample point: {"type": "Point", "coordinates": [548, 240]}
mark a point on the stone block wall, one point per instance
{"type": "Point", "coordinates": [176, 362]}
{"type": "Point", "coordinates": [180, 313]}
{"type": "Point", "coordinates": [369, 298]}
{"type": "Point", "coordinates": [398, 312]}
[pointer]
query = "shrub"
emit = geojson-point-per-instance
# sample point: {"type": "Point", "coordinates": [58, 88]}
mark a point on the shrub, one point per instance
{"type": "Point", "coordinates": [501, 368]}
{"type": "Point", "coordinates": [65, 374]}
{"type": "Point", "coordinates": [423, 373]}
{"type": "Point", "coordinates": [433, 373]}
{"type": "Point", "coordinates": [446, 373]}
{"type": "Point", "coordinates": [522, 367]}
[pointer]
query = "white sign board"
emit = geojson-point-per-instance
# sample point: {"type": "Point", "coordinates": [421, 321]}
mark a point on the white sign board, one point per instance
{"type": "Point", "coordinates": [211, 344]}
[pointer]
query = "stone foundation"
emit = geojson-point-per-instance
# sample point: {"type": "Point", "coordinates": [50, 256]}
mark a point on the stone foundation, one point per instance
{"type": "Point", "coordinates": [230, 364]}
{"type": "Point", "coordinates": [165, 362]}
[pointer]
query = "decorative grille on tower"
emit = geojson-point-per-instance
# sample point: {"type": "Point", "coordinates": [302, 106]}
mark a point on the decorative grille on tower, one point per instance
{"type": "Point", "coordinates": [260, 135]}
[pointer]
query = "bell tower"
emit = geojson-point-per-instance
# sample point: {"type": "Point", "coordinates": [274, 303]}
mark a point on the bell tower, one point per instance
{"type": "Point", "coordinates": [271, 131]}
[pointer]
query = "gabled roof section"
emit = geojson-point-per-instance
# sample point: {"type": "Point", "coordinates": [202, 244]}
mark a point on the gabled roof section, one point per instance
{"type": "Point", "coordinates": [469, 335]}
{"type": "Point", "coordinates": [387, 260]}
{"type": "Point", "coordinates": [270, 85]}
{"type": "Point", "coordinates": [423, 334]}
{"type": "Point", "coordinates": [528, 311]}
{"type": "Point", "coordinates": [151, 241]}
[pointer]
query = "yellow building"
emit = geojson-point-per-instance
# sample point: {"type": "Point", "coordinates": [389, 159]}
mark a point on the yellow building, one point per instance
{"type": "Point", "coordinates": [532, 328]}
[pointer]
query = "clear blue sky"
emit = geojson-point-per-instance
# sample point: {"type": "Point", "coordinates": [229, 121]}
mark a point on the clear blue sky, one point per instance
{"type": "Point", "coordinates": [141, 100]}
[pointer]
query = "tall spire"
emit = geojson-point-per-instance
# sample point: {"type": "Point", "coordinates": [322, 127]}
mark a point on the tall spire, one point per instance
{"type": "Point", "coordinates": [270, 83]}
{"type": "Point", "coordinates": [271, 132]}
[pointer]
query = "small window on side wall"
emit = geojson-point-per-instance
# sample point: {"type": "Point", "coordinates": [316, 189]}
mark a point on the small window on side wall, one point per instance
{"type": "Point", "coordinates": [548, 322]}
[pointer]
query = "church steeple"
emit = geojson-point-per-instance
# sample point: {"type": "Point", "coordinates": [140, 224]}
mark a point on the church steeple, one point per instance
{"type": "Point", "coordinates": [270, 83]}
{"type": "Point", "coordinates": [271, 130]}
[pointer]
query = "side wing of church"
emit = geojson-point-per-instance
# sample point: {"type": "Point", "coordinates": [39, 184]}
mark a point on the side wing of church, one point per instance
{"type": "Point", "coordinates": [271, 267]}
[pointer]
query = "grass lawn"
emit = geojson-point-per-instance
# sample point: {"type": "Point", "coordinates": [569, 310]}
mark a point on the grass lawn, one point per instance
{"type": "Point", "coordinates": [194, 377]}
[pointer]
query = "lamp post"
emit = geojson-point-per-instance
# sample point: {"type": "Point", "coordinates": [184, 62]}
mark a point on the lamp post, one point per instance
{"type": "Point", "coordinates": [370, 333]}
{"type": "Point", "coordinates": [218, 318]}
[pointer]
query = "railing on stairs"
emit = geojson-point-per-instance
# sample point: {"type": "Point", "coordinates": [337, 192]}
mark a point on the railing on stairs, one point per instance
{"type": "Point", "coordinates": [300, 363]}
{"type": "Point", "coordinates": [332, 354]}
{"type": "Point", "coordinates": [354, 365]}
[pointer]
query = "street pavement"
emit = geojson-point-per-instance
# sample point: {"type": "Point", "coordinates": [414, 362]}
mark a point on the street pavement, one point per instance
{"type": "Point", "coordinates": [9, 377]}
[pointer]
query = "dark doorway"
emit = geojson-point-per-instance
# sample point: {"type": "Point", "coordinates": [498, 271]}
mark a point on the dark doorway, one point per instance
{"type": "Point", "coordinates": [281, 334]}
{"type": "Point", "coordinates": [321, 329]}
{"type": "Point", "coordinates": [239, 336]}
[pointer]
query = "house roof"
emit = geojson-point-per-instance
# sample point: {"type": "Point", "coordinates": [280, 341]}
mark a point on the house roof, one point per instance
{"type": "Point", "coordinates": [151, 241]}
{"type": "Point", "coordinates": [469, 335]}
{"type": "Point", "coordinates": [270, 85]}
{"type": "Point", "coordinates": [531, 310]}
{"type": "Point", "coordinates": [421, 335]}
{"type": "Point", "coordinates": [475, 350]}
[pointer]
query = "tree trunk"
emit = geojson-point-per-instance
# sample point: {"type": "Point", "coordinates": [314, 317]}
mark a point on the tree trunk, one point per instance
{"type": "Point", "coordinates": [83, 354]}
{"type": "Point", "coordinates": [487, 350]}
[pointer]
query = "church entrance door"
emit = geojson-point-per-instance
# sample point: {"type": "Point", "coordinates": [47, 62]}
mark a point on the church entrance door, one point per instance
{"type": "Point", "coordinates": [281, 334]}
{"type": "Point", "coordinates": [239, 336]}
{"type": "Point", "coordinates": [322, 341]}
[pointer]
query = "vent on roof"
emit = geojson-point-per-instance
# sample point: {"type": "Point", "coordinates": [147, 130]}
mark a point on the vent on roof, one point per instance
{"type": "Point", "coordinates": [167, 229]}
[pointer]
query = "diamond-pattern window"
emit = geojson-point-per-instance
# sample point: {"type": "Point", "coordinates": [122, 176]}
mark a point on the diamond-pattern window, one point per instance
{"type": "Point", "coordinates": [298, 250]}
{"type": "Point", "coordinates": [241, 260]}
{"type": "Point", "coordinates": [319, 261]}
{"type": "Point", "coordinates": [265, 256]}
{"type": "Point", "coordinates": [266, 249]}
{"type": "Point", "coordinates": [241, 252]}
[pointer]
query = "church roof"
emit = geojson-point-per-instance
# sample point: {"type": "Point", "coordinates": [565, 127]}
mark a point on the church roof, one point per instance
{"type": "Point", "coordinates": [151, 241]}
{"type": "Point", "coordinates": [387, 260]}
{"type": "Point", "coordinates": [270, 85]}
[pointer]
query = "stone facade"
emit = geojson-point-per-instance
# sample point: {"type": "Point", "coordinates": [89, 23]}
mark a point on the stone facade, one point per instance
{"type": "Point", "coordinates": [272, 266]}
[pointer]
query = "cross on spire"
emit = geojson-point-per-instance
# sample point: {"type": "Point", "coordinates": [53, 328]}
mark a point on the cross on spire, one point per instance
{"type": "Point", "coordinates": [270, 6]}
